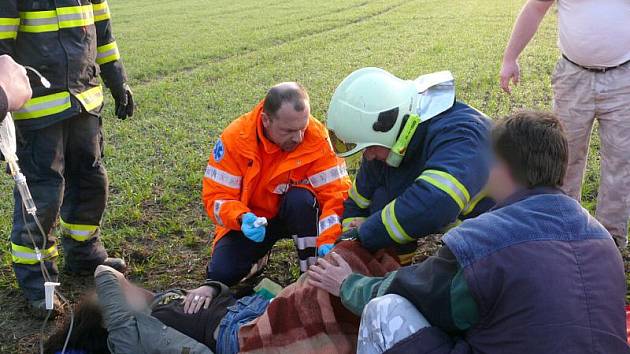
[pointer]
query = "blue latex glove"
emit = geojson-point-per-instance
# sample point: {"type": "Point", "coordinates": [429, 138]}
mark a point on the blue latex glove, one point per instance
{"type": "Point", "coordinates": [324, 249]}
{"type": "Point", "coordinates": [256, 234]}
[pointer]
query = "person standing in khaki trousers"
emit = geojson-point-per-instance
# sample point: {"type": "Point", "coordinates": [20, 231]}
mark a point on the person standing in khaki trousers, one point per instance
{"type": "Point", "coordinates": [591, 80]}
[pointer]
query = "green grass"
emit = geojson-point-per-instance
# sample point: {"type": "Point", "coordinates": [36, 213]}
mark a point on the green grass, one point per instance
{"type": "Point", "coordinates": [195, 65]}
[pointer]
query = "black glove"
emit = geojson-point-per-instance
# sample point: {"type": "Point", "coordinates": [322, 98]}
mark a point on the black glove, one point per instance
{"type": "Point", "coordinates": [350, 235]}
{"type": "Point", "coordinates": [124, 101]}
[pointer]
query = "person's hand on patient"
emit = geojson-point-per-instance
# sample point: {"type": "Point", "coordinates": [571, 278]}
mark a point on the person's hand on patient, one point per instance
{"type": "Point", "coordinates": [198, 298]}
{"type": "Point", "coordinates": [328, 276]}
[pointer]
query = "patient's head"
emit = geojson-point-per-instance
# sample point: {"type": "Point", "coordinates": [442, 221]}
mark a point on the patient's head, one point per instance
{"type": "Point", "coordinates": [88, 333]}
{"type": "Point", "coordinates": [530, 150]}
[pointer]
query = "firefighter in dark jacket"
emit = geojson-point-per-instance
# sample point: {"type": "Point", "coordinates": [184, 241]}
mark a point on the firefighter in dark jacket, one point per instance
{"type": "Point", "coordinates": [60, 140]}
{"type": "Point", "coordinates": [425, 161]}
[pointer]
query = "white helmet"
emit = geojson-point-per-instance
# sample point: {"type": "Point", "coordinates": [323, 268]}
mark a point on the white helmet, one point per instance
{"type": "Point", "coordinates": [367, 110]}
{"type": "Point", "coordinates": [370, 105]}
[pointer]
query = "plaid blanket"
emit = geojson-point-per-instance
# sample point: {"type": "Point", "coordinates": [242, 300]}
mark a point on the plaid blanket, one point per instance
{"type": "Point", "coordinates": [303, 319]}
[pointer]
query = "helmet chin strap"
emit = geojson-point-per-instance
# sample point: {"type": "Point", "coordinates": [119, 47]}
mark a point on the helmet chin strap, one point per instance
{"type": "Point", "coordinates": [398, 151]}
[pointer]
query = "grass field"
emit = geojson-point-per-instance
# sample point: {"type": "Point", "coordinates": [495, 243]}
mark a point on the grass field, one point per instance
{"type": "Point", "coordinates": [195, 65]}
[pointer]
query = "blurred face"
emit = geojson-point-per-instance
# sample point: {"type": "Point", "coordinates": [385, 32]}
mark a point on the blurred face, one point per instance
{"type": "Point", "coordinates": [287, 126]}
{"type": "Point", "coordinates": [136, 297]}
{"type": "Point", "coordinates": [501, 184]}
{"type": "Point", "coordinates": [378, 153]}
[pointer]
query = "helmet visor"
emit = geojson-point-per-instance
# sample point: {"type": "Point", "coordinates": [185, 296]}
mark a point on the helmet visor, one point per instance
{"type": "Point", "coordinates": [339, 145]}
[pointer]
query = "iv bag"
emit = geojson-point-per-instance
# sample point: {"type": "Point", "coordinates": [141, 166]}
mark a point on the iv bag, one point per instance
{"type": "Point", "coordinates": [7, 139]}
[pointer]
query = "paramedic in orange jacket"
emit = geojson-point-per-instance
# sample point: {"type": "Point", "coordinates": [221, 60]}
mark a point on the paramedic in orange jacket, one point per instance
{"type": "Point", "coordinates": [274, 162]}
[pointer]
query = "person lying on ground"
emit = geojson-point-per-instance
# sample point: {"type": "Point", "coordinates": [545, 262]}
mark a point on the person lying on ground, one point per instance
{"type": "Point", "coordinates": [274, 162]}
{"type": "Point", "coordinates": [123, 318]}
{"type": "Point", "coordinates": [120, 318]}
{"type": "Point", "coordinates": [536, 274]}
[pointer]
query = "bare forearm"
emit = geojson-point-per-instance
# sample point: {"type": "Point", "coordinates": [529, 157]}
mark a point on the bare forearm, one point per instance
{"type": "Point", "coordinates": [526, 26]}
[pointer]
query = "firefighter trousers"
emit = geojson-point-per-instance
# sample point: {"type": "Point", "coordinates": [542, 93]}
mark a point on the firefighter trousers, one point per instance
{"type": "Point", "coordinates": [63, 168]}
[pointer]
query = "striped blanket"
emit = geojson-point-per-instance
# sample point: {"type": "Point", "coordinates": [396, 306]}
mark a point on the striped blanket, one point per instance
{"type": "Point", "coordinates": [303, 319]}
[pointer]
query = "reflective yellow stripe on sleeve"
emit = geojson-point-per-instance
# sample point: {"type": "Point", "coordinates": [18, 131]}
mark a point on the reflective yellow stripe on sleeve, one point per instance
{"type": "Point", "coordinates": [9, 27]}
{"type": "Point", "coordinates": [448, 184]}
{"type": "Point", "coordinates": [75, 16]}
{"type": "Point", "coordinates": [53, 20]}
{"type": "Point", "coordinates": [92, 98]}
{"type": "Point", "coordinates": [347, 221]}
{"type": "Point", "coordinates": [106, 53]}
{"type": "Point", "coordinates": [393, 227]}
{"type": "Point", "coordinates": [39, 21]}
{"type": "Point", "coordinates": [473, 203]}
{"type": "Point", "coordinates": [101, 11]}
{"type": "Point", "coordinates": [361, 201]}
{"type": "Point", "coordinates": [44, 106]}
{"type": "Point", "coordinates": [78, 232]}
{"type": "Point", "coordinates": [25, 255]}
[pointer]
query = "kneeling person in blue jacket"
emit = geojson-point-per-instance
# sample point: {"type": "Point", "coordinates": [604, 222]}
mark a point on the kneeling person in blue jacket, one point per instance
{"type": "Point", "coordinates": [536, 274]}
{"type": "Point", "coordinates": [425, 158]}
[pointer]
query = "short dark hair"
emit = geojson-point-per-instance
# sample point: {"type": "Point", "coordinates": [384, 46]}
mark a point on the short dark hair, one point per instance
{"type": "Point", "coordinates": [534, 146]}
{"type": "Point", "coordinates": [291, 92]}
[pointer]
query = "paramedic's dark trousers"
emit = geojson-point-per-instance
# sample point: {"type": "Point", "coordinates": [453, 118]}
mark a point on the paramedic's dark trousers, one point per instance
{"type": "Point", "coordinates": [234, 254]}
{"type": "Point", "coordinates": [62, 165]}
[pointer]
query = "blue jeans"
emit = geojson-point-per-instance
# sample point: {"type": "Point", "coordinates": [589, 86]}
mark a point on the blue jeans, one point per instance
{"type": "Point", "coordinates": [245, 310]}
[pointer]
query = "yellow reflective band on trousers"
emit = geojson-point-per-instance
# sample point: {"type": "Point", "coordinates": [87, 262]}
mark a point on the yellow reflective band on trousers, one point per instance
{"type": "Point", "coordinates": [448, 184]}
{"type": "Point", "coordinates": [92, 98]}
{"type": "Point", "coordinates": [53, 20]}
{"type": "Point", "coordinates": [101, 11]}
{"type": "Point", "coordinates": [345, 225]}
{"type": "Point", "coordinates": [361, 201]}
{"type": "Point", "coordinates": [9, 27]}
{"type": "Point", "coordinates": [106, 53]}
{"type": "Point", "coordinates": [78, 232]}
{"type": "Point", "coordinates": [44, 106]}
{"type": "Point", "coordinates": [393, 227]}
{"type": "Point", "coordinates": [25, 255]}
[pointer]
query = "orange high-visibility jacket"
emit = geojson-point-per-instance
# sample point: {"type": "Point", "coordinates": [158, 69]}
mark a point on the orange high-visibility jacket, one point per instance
{"type": "Point", "coordinates": [234, 172]}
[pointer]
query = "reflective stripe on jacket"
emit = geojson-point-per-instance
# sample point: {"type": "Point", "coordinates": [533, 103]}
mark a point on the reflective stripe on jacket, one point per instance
{"type": "Point", "coordinates": [234, 171]}
{"type": "Point", "coordinates": [440, 180]}
{"type": "Point", "coordinates": [68, 43]}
